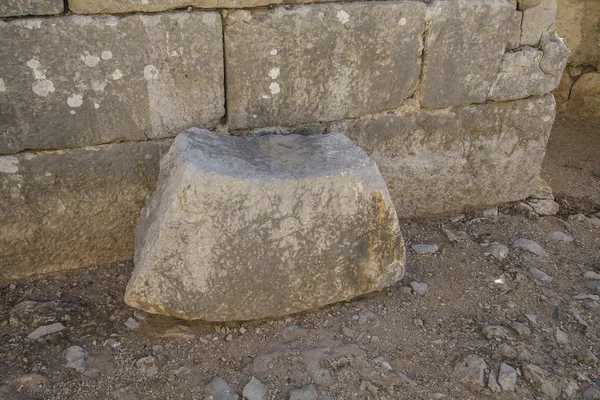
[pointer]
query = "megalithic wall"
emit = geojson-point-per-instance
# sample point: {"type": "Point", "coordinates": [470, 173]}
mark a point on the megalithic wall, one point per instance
{"type": "Point", "coordinates": [449, 97]}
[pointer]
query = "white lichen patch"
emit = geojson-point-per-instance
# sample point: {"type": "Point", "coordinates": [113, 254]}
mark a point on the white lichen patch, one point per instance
{"type": "Point", "coordinates": [106, 55]}
{"type": "Point", "coordinates": [2, 86]}
{"type": "Point", "coordinates": [274, 88]}
{"type": "Point", "coordinates": [343, 16]}
{"type": "Point", "coordinates": [402, 21]}
{"type": "Point", "coordinates": [96, 105]}
{"type": "Point", "coordinates": [43, 87]}
{"type": "Point", "coordinates": [150, 72]}
{"type": "Point", "coordinates": [273, 52]}
{"type": "Point", "coordinates": [9, 165]}
{"type": "Point", "coordinates": [90, 60]}
{"type": "Point", "coordinates": [75, 100]}
{"type": "Point", "coordinates": [99, 86]}
{"type": "Point", "coordinates": [117, 75]}
{"type": "Point", "coordinates": [274, 73]}
{"type": "Point", "coordinates": [209, 18]}
{"type": "Point", "coordinates": [33, 23]}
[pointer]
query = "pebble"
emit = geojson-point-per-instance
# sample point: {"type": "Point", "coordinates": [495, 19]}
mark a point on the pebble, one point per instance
{"type": "Point", "coordinates": [46, 330]}
{"type": "Point", "coordinates": [457, 218]}
{"type": "Point", "coordinates": [585, 296]}
{"type": "Point", "coordinates": [507, 377]}
{"type": "Point", "coordinates": [305, 393]}
{"type": "Point", "coordinates": [425, 248]}
{"type": "Point", "coordinates": [540, 276]}
{"type": "Point", "coordinates": [132, 324]}
{"type": "Point", "coordinates": [12, 286]}
{"type": "Point", "coordinates": [593, 285]}
{"type": "Point", "coordinates": [531, 246]}
{"type": "Point", "coordinates": [544, 207]}
{"type": "Point", "coordinates": [542, 191]}
{"type": "Point", "coordinates": [367, 316]}
{"type": "Point", "coordinates": [521, 329]}
{"type": "Point", "coordinates": [457, 236]}
{"type": "Point", "coordinates": [76, 358]}
{"type": "Point", "coordinates": [349, 333]}
{"type": "Point", "coordinates": [493, 384]}
{"type": "Point", "coordinates": [561, 336]}
{"type": "Point", "coordinates": [592, 275]}
{"type": "Point", "coordinates": [419, 288]}
{"type": "Point", "coordinates": [254, 390]}
{"type": "Point", "coordinates": [591, 394]}
{"type": "Point", "coordinates": [470, 369]}
{"type": "Point", "coordinates": [141, 314]}
{"type": "Point", "coordinates": [594, 221]}
{"type": "Point", "coordinates": [243, 330]}
{"type": "Point", "coordinates": [559, 236]}
{"type": "Point", "coordinates": [229, 337]}
{"type": "Point", "coordinates": [494, 332]}
{"type": "Point", "coordinates": [497, 250]}
{"type": "Point", "coordinates": [220, 390]}
{"type": "Point", "coordinates": [585, 356]}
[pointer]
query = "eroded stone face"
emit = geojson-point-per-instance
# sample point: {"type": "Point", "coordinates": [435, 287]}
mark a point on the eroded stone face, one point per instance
{"type": "Point", "coordinates": [537, 20]}
{"type": "Point", "coordinates": [122, 6]}
{"type": "Point", "coordinates": [446, 161]}
{"type": "Point", "coordinates": [245, 228]}
{"type": "Point", "coordinates": [77, 81]}
{"type": "Point", "coordinates": [17, 8]}
{"type": "Point", "coordinates": [321, 62]}
{"type": "Point", "coordinates": [75, 208]}
{"type": "Point", "coordinates": [464, 45]}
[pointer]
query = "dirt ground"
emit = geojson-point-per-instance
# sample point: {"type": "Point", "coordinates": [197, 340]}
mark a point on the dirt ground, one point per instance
{"type": "Point", "coordinates": [479, 313]}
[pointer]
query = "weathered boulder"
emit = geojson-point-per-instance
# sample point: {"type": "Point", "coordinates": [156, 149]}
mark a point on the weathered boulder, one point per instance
{"type": "Point", "coordinates": [585, 95]}
{"type": "Point", "coordinates": [578, 21]}
{"type": "Point", "coordinates": [445, 161]}
{"type": "Point", "coordinates": [79, 80]}
{"type": "Point", "coordinates": [73, 208]}
{"type": "Point", "coordinates": [529, 71]}
{"type": "Point", "coordinates": [16, 8]}
{"type": "Point", "coordinates": [244, 228]}
{"type": "Point", "coordinates": [463, 49]}
{"type": "Point", "coordinates": [536, 21]}
{"type": "Point", "coordinates": [321, 62]}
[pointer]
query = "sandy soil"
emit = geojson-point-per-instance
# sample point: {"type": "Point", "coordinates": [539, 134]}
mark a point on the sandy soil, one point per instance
{"type": "Point", "coordinates": [394, 344]}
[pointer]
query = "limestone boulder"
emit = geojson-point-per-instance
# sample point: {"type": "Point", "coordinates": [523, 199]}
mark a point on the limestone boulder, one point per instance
{"type": "Point", "coordinates": [440, 162]}
{"type": "Point", "coordinates": [529, 71]}
{"type": "Point", "coordinates": [578, 21]}
{"type": "Point", "coordinates": [321, 62]}
{"type": "Point", "coordinates": [585, 95]}
{"type": "Point", "coordinates": [77, 81]}
{"type": "Point", "coordinates": [464, 46]}
{"type": "Point", "coordinates": [243, 228]}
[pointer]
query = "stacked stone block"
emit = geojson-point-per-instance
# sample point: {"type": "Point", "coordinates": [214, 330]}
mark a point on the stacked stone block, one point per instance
{"type": "Point", "coordinates": [449, 97]}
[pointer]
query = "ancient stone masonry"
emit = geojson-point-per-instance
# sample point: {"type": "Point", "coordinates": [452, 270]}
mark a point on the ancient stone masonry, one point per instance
{"type": "Point", "coordinates": [448, 96]}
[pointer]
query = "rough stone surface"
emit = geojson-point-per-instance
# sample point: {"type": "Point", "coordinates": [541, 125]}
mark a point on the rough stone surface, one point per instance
{"type": "Point", "coordinates": [235, 217]}
{"type": "Point", "coordinates": [585, 95]}
{"type": "Point", "coordinates": [17, 8]}
{"type": "Point", "coordinates": [463, 49]}
{"type": "Point", "coordinates": [218, 389]}
{"type": "Point", "coordinates": [47, 201]}
{"type": "Point", "coordinates": [254, 390]}
{"type": "Point", "coordinates": [80, 80]}
{"type": "Point", "coordinates": [544, 207]}
{"type": "Point", "coordinates": [507, 378]}
{"type": "Point", "coordinates": [530, 246]}
{"type": "Point", "coordinates": [76, 358]}
{"type": "Point", "coordinates": [529, 71]}
{"type": "Point", "coordinates": [441, 162]}
{"type": "Point", "coordinates": [536, 21]}
{"type": "Point", "coordinates": [470, 370]}
{"type": "Point", "coordinates": [321, 62]}
{"type": "Point", "coordinates": [123, 6]}
{"type": "Point", "coordinates": [578, 21]}
{"type": "Point", "coordinates": [46, 330]}
{"type": "Point", "coordinates": [305, 393]}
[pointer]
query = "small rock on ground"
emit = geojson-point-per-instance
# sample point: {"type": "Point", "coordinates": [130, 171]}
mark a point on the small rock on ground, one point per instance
{"type": "Point", "coordinates": [544, 207]}
{"type": "Point", "coordinates": [254, 390]}
{"type": "Point", "coordinates": [593, 285]}
{"type": "Point", "coordinates": [220, 390]}
{"type": "Point", "coordinates": [561, 337]}
{"type": "Point", "coordinates": [507, 378]}
{"type": "Point", "coordinates": [305, 393]}
{"type": "Point", "coordinates": [540, 276]}
{"type": "Point", "coordinates": [425, 248]}
{"type": "Point", "coordinates": [419, 288]}
{"type": "Point", "coordinates": [531, 246]}
{"type": "Point", "coordinates": [493, 384]}
{"type": "Point", "coordinates": [132, 324]}
{"type": "Point", "coordinates": [559, 236]}
{"type": "Point", "coordinates": [494, 332]}
{"type": "Point", "coordinates": [76, 358]}
{"type": "Point", "coordinates": [592, 275]}
{"type": "Point", "coordinates": [46, 330]}
{"type": "Point", "coordinates": [497, 250]}
{"type": "Point", "coordinates": [147, 366]}
{"type": "Point", "coordinates": [470, 369]}
{"type": "Point", "coordinates": [585, 356]}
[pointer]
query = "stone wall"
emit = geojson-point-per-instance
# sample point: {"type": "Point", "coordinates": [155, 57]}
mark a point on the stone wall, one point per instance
{"type": "Point", "coordinates": [579, 91]}
{"type": "Point", "coordinates": [449, 97]}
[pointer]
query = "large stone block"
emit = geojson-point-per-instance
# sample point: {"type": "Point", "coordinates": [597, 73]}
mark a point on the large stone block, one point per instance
{"type": "Point", "coordinates": [73, 208]}
{"type": "Point", "coordinates": [17, 8]}
{"type": "Point", "coordinates": [244, 228]}
{"type": "Point", "coordinates": [536, 21]}
{"type": "Point", "coordinates": [578, 21]}
{"type": "Point", "coordinates": [585, 95]}
{"type": "Point", "coordinates": [463, 49]}
{"type": "Point", "coordinates": [123, 6]}
{"type": "Point", "coordinates": [77, 81]}
{"type": "Point", "coordinates": [321, 62]}
{"type": "Point", "coordinates": [446, 161]}
{"type": "Point", "coordinates": [531, 72]}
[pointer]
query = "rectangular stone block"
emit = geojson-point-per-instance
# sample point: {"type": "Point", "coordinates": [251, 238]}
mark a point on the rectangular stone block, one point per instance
{"type": "Point", "coordinates": [321, 62]}
{"type": "Point", "coordinates": [447, 161]}
{"type": "Point", "coordinates": [536, 21]}
{"type": "Point", "coordinates": [80, 80]}
{"type": "Point", "coordinates": [17, 8]}
{"type": "Point", "coordinates": [73, 208]}
{"type": "Point", "coordinates": [123, 6]}
{"type": "Point", "coordinates": [463, 49]}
